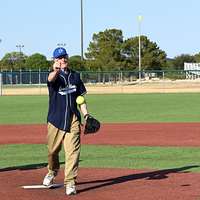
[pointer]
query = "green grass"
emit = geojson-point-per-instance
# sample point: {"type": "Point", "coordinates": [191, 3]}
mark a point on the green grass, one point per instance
{"type": "Point", "coordinates": [23, 109]}
{"type": "Point", "coordinates": [108, 108]}
{"type": "Point", "coordinates": [103, 156]}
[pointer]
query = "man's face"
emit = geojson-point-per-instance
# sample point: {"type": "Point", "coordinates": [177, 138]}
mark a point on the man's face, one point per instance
{"type": "Point", "coordinates": [62, 62]}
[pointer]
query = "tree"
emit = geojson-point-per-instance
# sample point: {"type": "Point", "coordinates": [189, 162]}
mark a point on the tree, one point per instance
{"type": "Point", "coordinates": [178, 62]}
{"type": "Point", "coordinates": [152, 58]}
{"type": "Point", "coordinates": [197, 57]}
{"type": "Point", "coordinates": [169, 64]}
{"type": "Point", "coordinates": [37, 61]}
{"type": "Point", "coordinates": [13, 61]}
{"type": "Point", "coordinates": [76, 63]}
{"type": "Point", "coordinates": [104, 51]}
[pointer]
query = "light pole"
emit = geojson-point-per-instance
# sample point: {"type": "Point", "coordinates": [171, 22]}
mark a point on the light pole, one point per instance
{"type": "Point", "coordinates": [1, 82]}
{"type": "Point", "coordinates": [20, 46]}
{"type": "Point", "coordinates": [139, 18]}
{"type": "Point", "coordinates": [81, 29]}
{"type": "Point", "coordinates": [61, 44]}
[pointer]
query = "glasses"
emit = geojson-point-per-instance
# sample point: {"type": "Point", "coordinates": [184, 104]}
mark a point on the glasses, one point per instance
{"type": "Point", "coordinates": [61, 57]}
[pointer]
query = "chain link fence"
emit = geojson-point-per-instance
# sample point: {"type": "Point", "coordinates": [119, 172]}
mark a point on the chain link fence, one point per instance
{"type": "Point", "coordinates": [1, 83]}
{"type": "Point", "coordinates": [40, 77]}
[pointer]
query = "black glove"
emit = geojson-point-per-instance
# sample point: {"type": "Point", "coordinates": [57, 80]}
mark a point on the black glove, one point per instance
{"type": "Point", "coordinates": [92, 125]}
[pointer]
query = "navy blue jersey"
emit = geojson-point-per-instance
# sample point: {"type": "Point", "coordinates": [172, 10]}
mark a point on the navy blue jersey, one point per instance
{"type": "Point", "coordinates": [62, 99]}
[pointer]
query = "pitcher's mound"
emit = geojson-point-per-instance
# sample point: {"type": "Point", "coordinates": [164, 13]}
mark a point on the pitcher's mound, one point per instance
{"type": "Point", "coordinates": [106, 184]}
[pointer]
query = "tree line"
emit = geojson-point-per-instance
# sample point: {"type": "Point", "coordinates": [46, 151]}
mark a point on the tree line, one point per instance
{"type": "Point", "coordinates": [108, 51]}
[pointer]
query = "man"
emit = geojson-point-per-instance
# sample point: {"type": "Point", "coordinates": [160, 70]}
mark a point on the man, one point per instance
{"type": "Point", "coordinates": [64, 120]}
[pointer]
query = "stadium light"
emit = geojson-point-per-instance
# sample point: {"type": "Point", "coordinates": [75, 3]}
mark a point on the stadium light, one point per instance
{"type": "Point", "coordinates": [81, 29]}
{"type": "Point", "coordinates": [61, 44]}
{"type": "Point", "coordinates": [20, 46]}
{"type": "Point", "coordinates": [139, 18]}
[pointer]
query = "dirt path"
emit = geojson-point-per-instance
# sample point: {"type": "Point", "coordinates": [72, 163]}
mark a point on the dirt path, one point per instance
{"type": "Point", "coordinates": [108, 184]}
{"type": "Point", "coordinates": [138, 134]}
{"type": "Point", "coordinates": [149, 86]}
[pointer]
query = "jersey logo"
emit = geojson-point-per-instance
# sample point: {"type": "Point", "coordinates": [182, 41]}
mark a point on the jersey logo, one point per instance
{"type": "Point", "coordinates": [67, 90]}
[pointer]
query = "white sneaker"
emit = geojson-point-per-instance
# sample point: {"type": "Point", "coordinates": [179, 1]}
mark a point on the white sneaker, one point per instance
{"type": "Point", "coordinates": [70, 189]}
{"type": "Point", "coordinates": [48, 179]}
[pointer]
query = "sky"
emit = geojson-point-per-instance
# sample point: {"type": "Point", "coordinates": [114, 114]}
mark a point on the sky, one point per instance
{"type": "Point", "coordinates": [39, 25]}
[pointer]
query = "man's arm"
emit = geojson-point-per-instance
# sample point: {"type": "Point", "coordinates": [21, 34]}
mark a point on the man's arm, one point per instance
{"type": "Point", "coordinates": [84, 110]}
{"type": "Point", "coordinates": [52, 76]}
{"type": "Point", "coordinates": [56, 69]}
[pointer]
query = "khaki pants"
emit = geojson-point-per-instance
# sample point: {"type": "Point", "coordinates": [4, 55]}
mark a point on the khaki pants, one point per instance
{"type": "Point", "coordinates": [71, 143]}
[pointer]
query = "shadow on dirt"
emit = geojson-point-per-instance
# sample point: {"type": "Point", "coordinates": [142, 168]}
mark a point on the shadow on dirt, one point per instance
{"type": "Point", "coordinates": [26, 167]}
{"type": "Point", "coordinates": [154, 175]}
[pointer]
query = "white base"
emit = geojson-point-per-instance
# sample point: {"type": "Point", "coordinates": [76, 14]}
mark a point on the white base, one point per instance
{"type": "Point", "coordinates": [42, 186]}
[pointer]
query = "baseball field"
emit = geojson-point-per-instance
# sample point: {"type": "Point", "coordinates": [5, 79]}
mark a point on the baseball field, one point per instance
{"type": "Point", "coordinates": [147, 148]}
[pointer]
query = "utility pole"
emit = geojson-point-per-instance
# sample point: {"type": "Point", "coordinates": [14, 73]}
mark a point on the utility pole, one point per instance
{"type": "Point", "coordinates": [139, 18]}
{"type": "Point", "coordinates": [20, 46]}
{"type": "Point", "coordinates": [81, 29]}
{"type": "Point", "coordinates": [61, 44]}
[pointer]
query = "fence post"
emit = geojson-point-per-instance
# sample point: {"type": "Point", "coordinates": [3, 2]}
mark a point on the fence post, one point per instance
{"type": "Point", "coordinates": [39, 76]}
{"type": "Point", "coordinates": [30, 80]}
{"type": "Point", "coordinates": [20, 76]}
{"type": "Point", "coordinates": [163, 75]}
{"type": "Point", "coordinates": [11, 77]}
{"type": "Point", "coordinates": [1, 83]}
{"type": "Point", "coordinates": [81, 75]}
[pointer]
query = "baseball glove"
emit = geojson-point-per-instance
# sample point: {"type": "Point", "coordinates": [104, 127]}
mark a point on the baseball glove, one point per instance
{"type": "Point", "coordinates": [92, 125]}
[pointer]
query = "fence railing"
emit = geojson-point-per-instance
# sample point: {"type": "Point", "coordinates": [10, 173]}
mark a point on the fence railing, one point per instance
{"type": "Point", "coordinates": [40, 77]}
{"type": "Point", "coordinates": [1, 82]}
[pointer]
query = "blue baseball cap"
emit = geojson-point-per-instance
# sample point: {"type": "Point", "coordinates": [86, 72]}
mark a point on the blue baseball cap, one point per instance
{"type": "Point", "coordinates": [59, 52]}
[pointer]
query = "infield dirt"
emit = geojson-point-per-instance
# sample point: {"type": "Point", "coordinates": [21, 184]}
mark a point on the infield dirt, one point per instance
{"type": "Point", "coordinates": [108, 184]}
{"type": "Point", "coordinates": [166, 86]}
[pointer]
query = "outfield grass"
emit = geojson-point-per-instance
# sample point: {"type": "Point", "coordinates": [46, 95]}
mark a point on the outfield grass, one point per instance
{"type": "Point", "coordinates": [108, 108]}
{"type": "Point", "coordinates": [27, 156]}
